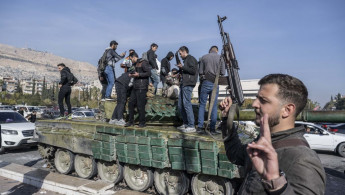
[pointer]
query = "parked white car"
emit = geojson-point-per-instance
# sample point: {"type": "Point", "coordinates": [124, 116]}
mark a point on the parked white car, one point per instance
{"type": "Point", "coordinates": [83, 114]}
{"type": "Point", "coordinates": [15, 130]}
{"type": "Point", "coordinates": [321, 139]}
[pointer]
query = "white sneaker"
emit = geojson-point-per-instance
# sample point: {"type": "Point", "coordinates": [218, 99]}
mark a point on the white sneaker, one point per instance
{"type": "Point", "coordinates": [103, 100]}
{"type": "Point", "coordinates": [113, 122]}
{"type": "Point", "coordinates": [121, 122]}
{"type": "Point", "coordinates": [189, 130]}
{"type": "Point", "coordinates": [182, 127]}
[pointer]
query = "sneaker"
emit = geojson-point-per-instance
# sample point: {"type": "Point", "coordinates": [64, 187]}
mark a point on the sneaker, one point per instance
{"type": "Point", "coordinates": [182, 127]}
{"type": "Point", "coordinates": [121, 122]}
{"type": "Point", "coordinates": [189, 130]}
{"type": "Point", "coordinates": [113, 122]}
{"type": "Point", "coordinates": [109, 99]}
{"type": "Point", "coordinates": [214, 132]}
{"type": "Point", "coordinates": [129, 124]}
{"type": "Point", "coordinates": [102, 100]}
{"type": "Point", "coordinates": [200, 131]}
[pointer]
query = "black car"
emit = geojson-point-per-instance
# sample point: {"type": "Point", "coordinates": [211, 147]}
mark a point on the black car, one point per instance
{"type": "Point", "coordinates": [339, 128]}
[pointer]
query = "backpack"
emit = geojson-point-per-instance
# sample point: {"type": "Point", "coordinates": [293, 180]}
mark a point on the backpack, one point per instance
{"type": "Point", "coordinates": [71, 79]}
{"type": "Point", "coordinates": [144, 56]}
{"type": "Point", "coordinates": [102, 62]}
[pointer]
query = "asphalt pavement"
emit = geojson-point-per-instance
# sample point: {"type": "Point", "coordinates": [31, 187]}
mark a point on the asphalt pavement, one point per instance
{"type": "Point", "coordinates": [334, 166]}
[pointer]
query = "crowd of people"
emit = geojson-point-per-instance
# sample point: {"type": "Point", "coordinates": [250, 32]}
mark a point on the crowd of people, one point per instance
{"type": "Point", "coordinates": [278, 161]}
{"type": "Point", "coordinates": [178, 83]}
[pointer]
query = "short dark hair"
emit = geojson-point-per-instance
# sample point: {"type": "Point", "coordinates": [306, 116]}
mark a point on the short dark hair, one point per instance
{"type": "Point", "coordinates": [154, 45]}
{"type": "Point", "coordinates": [290, 89]}
{"type": "Point", "coordinates": [61, 64]}
{"type": "Point", "coordinates": [113, 43]}
{"type": "Point", "coordinates": [131, 50]}
{"type": "Point", "coordinates": [134, 54]}
{"type": "Point", "coordinates": [214, 46]}
{"type": "Point", "coordinates": [184, 48]}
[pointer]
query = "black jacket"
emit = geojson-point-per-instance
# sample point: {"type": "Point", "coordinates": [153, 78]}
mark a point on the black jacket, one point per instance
{"type": "Point", "coordinates": [143, 68]}
{"type": "Point", "coordinates": [302, 166]}
{"type": "Point", "coordinates": [151, 56]}
{"type": "Point", "coordinates": [165, 65]}
{"type": "Point", "coordinates": [64, 76]}
{"type": "Point", "coordinates": [189, 71]}
{"type": "Point", "coordinates": [124, 79]}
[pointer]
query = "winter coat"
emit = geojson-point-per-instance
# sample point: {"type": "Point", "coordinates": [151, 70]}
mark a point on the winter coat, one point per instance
{"type": "Point", "coordinates": [151, 56]}
{"type": "Point", "coordinates": [144, 69]}
{"type": "Point", "coordinates": [189, 71]}
{"type": "Point", "coordinates": [64, 76]}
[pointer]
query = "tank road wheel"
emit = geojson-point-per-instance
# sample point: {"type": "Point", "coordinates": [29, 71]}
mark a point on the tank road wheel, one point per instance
{"type": "Point", "coordinates": [110, 171]}
{"type": "Point", "coordinates": [64, 161]}
{"type": "Point", "coordinates": [85, 166]}
{"type": "Point", "coordinates": [138, 178]}
{"type": "Point", "coordinates": [169, 182]}
{"type": "Point", "coordinates": [207, 184]}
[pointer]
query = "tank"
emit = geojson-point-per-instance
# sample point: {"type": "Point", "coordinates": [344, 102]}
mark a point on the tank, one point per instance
{"type": "Point", "coordinates": [158, 155]}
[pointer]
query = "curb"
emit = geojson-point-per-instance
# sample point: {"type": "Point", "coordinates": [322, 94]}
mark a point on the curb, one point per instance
{"type": "Point", "coordinates": [55, 182]}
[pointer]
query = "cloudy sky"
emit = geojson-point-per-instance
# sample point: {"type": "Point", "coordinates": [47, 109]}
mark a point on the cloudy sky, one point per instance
{"type": "Point", "coordinates": [305, 39]}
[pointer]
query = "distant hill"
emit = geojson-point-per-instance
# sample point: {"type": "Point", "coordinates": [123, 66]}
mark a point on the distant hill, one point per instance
{"type": "Point", "coordinates": [26, 63]}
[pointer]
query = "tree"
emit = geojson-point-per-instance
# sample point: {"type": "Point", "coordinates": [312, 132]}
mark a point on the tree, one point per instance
{"type": "Point", "coordinates": [44, 89]}
{"type": "Point", "coordinates": [19, 88]}
{"type": "Point", "coordinates": [340, 104]}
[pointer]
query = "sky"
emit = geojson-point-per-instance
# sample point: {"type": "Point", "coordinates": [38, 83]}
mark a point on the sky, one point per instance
{"type": "Point", "coordinates": [305, 39]}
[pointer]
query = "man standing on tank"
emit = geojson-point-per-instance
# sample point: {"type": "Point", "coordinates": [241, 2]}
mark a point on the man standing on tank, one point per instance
{"type": "Point", "coordinates": [122, 86]}
{"type": "Point", "coordinates": [140, 87]}
{"type": "Point", "coordinates": [151, 56]}
{"type": "Point", "coordinates": [209, 65]}
{"type": "Point", "coordinates": [112, 58]}
{"type": "Point", "coordinates": [189, 72]}
{"type": "Point", "coordinates": [65, 89]}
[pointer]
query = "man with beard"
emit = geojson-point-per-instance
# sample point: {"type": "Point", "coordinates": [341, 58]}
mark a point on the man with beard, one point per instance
{"type": "Point", "coordinates": [279, 161]}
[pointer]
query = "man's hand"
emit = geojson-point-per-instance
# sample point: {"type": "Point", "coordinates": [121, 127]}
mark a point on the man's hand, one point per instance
{"type": "Point", "coordinates": [123, 54]}
{"type": "Point", "coordinates": [225, 105]}
{"type": "Point", "coordinates": [134, 75]}
{"type": "Point", "coordinates": [179, 65]}
{"type": "Point", "coordinates": [60, 85]}
{"type": "Point", "coordinates": [101, 78]}
{"type": "Point", "coordinates": [262, 154]}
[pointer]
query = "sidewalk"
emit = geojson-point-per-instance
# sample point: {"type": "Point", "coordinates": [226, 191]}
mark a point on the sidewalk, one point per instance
{"type": "Point", "coordinates": [52, 182]}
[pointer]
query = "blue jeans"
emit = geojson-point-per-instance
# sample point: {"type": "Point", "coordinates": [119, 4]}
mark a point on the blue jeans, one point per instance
{"type": "Point", "coordinates": [206, 91]}
{"type": "Point", "coordinates": [110, 74]}
{"type": "Point", "coordinates": [154, 79]}
{"type": "Point", "coordinates": [185, 105]}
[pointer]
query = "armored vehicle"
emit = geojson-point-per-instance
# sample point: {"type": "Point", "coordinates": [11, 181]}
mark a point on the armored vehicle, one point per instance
{"type": "Point", "coordinates": [157, 154]}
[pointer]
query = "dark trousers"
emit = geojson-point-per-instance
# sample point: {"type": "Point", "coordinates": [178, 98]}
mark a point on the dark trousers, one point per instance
{"type": "Point", "coordinates": [65, 93]}
{"type": "Point", "coordinates": [104, 84]}
{"type": "Point", "coordinates": [121, 92]}
{"type": "Point", "coordinates": [137, 98]}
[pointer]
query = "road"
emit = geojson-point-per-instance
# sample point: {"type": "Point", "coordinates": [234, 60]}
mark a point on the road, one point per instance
{"type": "Point", "coordinates": [334, 166]}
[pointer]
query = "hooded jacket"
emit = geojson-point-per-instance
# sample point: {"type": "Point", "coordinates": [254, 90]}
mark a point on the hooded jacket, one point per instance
{"type": "Point", "coordinates": [64, 76]}
{"type": "Point", "coordinates": [165, 64]}
{"type": "Point", "coordinates": [301, 165]}
{"type": "Point", "coordinates": [144, 69]}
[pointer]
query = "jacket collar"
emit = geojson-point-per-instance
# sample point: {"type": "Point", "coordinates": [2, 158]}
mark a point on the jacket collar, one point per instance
{"type": "Point", "coordinates": [294, 132]}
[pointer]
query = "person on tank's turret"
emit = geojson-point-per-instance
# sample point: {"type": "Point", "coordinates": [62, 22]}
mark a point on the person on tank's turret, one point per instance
{"type": "Point", "coordinates": [122, 86]}
{"type": "Point", "coordinates": [165, 69]}
{"type": "Point", "coordinates": [189, 72]}
{"type": "Point", "coordinates": [141, 76]}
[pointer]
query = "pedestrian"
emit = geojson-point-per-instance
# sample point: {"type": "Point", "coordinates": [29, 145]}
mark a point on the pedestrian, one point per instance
{"type": "Point", "coordinates": [112, 58]}
{"type": "Point", "coordinates": [279, 161]}
{"type": "Point", "coordinates": [140, 87]}
{"type": "Point", "coordinates": [21, 111]}
{"type": "Point", "coordinates": [65, 89]}
{"type": "Point", "coordinates": [209, 65]}
{"type": "Point", "coordinates": [165, 69]}
{"type": "Point", "coordinates": [126, 63]}
{"type": "Point", "coordinates": [189, 73]}
{"type": "Point", "coordinates": [122, 86]}
{"type": "Point", "coordinates": [151, 56]}
{"type": "Point", "coordinates": [32, 117]}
